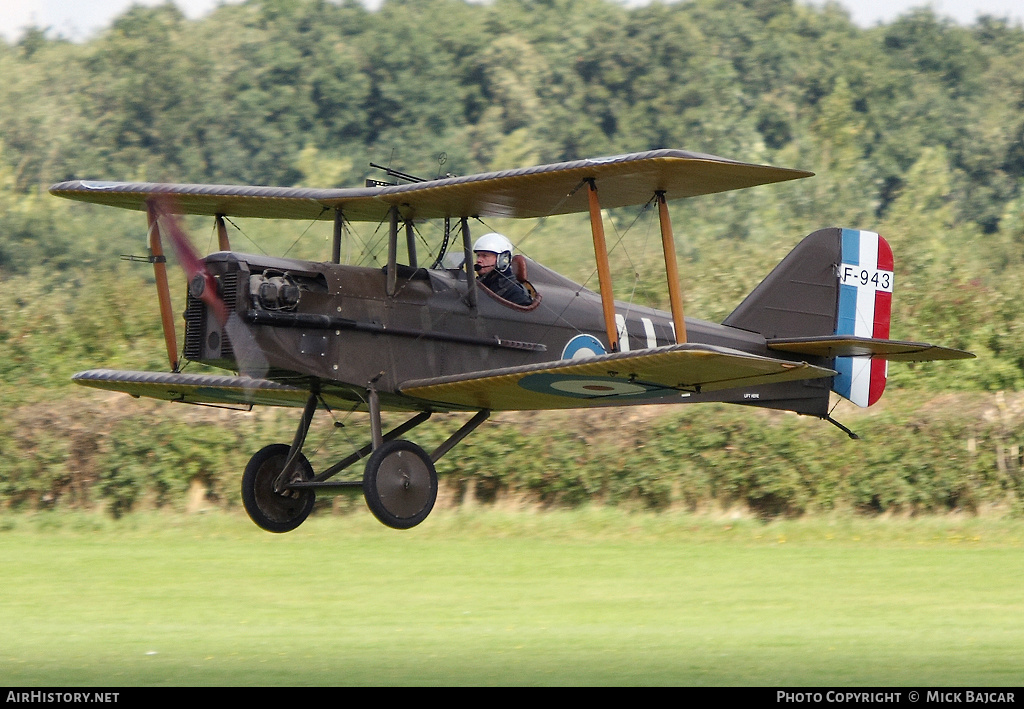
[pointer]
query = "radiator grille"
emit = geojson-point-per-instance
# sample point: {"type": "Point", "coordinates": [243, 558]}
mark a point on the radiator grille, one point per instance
{"type": "Point", "coordinates": [199, 324]}
{"type": "Point", "coordinates": [229, 290]}
{"type": "Point", "coordinates": [195, 332]}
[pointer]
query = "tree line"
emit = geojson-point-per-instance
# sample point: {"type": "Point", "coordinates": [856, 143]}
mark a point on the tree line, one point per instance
{"type": "Point", "coordinates": [238, 95]}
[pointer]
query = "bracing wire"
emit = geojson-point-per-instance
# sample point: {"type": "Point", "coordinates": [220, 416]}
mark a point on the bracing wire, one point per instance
{"type": "Point", "coordinates": [304, 232]}
{"type": "Point", "coordinates": [249, 238]}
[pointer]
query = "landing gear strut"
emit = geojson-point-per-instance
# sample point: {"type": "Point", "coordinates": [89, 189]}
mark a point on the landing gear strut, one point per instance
{"type": "Point", "coordinates": [399, 482]}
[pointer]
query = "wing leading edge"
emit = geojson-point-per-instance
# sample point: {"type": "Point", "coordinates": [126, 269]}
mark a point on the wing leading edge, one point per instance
{"type": "Point", "coordinates": [529, 192]}
{"type": "Point", "coordinates": [613, 379]}
{"type": "Point", "coordinates": [194, 388]}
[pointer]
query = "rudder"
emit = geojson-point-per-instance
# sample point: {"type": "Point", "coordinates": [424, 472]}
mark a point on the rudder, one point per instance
{"type": "Point", "coordinates": [864, 310]}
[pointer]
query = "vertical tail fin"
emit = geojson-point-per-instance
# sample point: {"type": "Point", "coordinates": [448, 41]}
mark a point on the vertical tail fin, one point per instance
{"type": "Point", "coordinates": [834, 282]}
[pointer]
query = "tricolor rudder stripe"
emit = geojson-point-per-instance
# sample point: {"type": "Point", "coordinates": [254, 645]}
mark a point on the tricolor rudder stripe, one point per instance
{"type": "Point", "coordinates": [865, 306]}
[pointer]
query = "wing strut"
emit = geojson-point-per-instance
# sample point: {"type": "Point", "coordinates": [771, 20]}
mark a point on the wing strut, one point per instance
{"type": "Point", "coordinates": [668, 245]}
{"type": "Point", "coordinates": [604, 274]}
{"type": "Point", "coordinates": [222, 234]}
{"type": "Point", "coordinates": [467, 248]}
{"type": "Point", "coordinates": [339, 225]}
{"type": "Point", "coordinates": [392, 251]}
{"type": "Point", "coordinates": [163, 290]}
{"type": "Point", "coordinates": [410, 243]}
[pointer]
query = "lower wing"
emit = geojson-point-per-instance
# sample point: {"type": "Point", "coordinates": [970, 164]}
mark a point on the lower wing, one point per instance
{"type": "Point", "coordinates": [621, 378]}
{"type": "Point", "coordinates": [195, 388]}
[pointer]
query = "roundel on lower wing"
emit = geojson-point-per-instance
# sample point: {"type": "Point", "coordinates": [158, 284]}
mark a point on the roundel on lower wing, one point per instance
{"type": "Point", "coordinates": [583, 346]}
{"type": "Point", "coordinates": [582, 387]}
{"type": "Point", "coordinates": [596, 387]}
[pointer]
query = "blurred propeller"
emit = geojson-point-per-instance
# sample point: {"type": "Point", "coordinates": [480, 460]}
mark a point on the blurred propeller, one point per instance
{"type": "Point", "coordinates": [203, 285]}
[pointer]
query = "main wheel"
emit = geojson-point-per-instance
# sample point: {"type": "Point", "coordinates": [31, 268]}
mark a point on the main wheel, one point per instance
{"type": "Point", "coordinates": [276, 511]}
{"type": "Point", "coordinates": [400, 484]}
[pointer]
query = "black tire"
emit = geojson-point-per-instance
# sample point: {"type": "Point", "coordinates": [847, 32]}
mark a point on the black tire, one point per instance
{"type": "Point", "coordinates": [400, 484]}
{"type": "Point", "coordinates": [273, 511]}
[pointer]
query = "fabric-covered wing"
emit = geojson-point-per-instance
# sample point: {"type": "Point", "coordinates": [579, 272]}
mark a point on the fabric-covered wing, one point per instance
{"type": "Point", "coordinates": [194, 388]}
{"type": "Point", "coordinates": [528, 192]}
{"type": "Point", "coordinates": [620, 378]}
{"type": "Point", "coordinates": [231, 200]}
{"type": "Point", "coordinates": [848, 346]}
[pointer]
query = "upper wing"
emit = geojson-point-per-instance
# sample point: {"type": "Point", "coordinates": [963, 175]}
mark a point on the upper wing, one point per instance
{"type": "Point", "coordinates": [538, 191]}
{"type": "Point", "coordinates": [849, 346]}
{"type": "Point", "coordinates": [618, 378]}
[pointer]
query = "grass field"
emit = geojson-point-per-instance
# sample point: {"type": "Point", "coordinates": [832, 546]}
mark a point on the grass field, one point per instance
{"type": "Point", "coordinates": [583, 597]}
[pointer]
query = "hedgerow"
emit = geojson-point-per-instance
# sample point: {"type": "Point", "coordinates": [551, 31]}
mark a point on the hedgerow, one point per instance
{"type": "Point", "coordinates": [955, 453]}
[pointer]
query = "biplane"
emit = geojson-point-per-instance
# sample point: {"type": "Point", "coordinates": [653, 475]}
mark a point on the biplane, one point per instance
{"type": "Point", "coordinates": [429, 338]}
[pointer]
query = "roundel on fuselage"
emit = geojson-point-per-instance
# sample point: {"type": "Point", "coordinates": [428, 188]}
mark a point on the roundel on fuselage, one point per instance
{"type": "Point", "coordinates": [583, 346]}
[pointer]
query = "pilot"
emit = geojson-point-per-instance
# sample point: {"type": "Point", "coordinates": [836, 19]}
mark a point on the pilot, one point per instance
{"type": "Point", "coordinates": [494, 268]}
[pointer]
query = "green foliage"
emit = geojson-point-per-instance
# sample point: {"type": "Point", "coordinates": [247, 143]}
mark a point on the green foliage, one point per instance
{"type": "Point", "coordinates": [957, 453]}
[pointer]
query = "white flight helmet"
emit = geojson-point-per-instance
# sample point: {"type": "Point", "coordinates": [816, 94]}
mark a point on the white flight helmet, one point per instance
{"type": "Point", "coordinates": [496, 243]}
